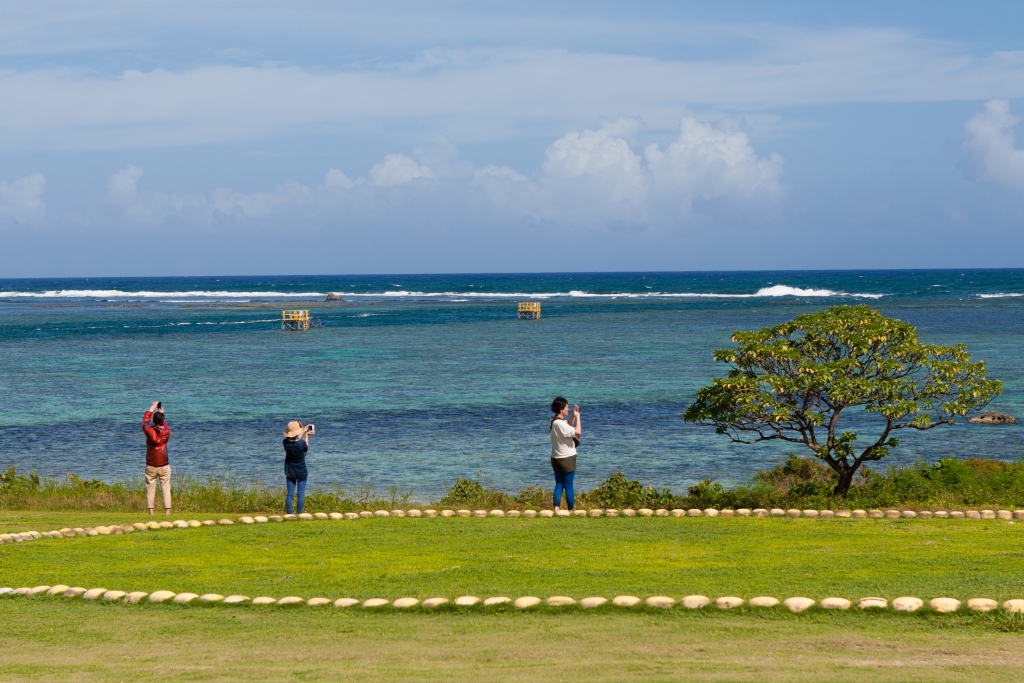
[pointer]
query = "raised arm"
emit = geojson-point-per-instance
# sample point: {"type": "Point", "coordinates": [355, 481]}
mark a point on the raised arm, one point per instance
{"type": "Point", "coordinates": [577, 421]}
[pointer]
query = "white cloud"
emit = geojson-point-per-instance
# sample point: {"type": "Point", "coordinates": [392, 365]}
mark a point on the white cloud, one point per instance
{"type": "Point", "coordinates": [490, 92]}
{"type": "Point", "coordinates": [336, 178]}
{"type": "Point", "coordinates": [990, 146]}
{"type": "Point", "coordinates": [397, 169]}
{"type": "Point", "coordinates": [22, 200]}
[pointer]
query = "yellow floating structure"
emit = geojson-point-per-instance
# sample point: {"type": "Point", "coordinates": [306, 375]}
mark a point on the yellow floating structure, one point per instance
{"type": "Point", "coordinates": [529, 310]}
{"type": "Point", "coordinates": [295, 320]}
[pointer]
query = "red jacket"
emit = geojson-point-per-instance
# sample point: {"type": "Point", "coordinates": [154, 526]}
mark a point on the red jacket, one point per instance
{"type": "Point", "coordinates": [156, 441]}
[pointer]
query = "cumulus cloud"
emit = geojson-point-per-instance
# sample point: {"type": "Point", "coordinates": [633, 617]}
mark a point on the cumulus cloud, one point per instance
{"type": "Point", "coordinates": [990, 148]}
{"type": "Point", "coordinates": [592, 177]}
{"type": "Point", "coordinates": [397, 169]}
{"type": "Point", "coordinates": [22, 200]}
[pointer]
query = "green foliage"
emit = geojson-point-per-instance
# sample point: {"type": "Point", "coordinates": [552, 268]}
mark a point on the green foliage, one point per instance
{"type": "Point", "coordinates": [618, 492]}
{"type": "Point", "coordinates": [792, 382]}
{"type": "Point", "coordinates": [472, 494]}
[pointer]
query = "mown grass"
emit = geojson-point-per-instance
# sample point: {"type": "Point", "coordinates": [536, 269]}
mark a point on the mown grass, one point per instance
{"type": "Point", "coordinates": [54, 639]}
{"type": "Point", "coordinates": [389, 557]}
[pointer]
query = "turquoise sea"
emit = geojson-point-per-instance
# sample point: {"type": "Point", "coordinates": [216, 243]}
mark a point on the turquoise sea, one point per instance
{"type": "Point", "coordinates": [417, 379]}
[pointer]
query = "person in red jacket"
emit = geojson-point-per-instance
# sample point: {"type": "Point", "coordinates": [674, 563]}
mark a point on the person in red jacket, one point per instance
{"type": "Point", "coordinates": [154, 426]}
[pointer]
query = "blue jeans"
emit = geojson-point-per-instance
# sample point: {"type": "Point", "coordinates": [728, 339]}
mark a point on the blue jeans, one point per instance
{"type": "Point", "coordinates": [295, 487]}
{"type": "Point", "coordinates": [564, 481]}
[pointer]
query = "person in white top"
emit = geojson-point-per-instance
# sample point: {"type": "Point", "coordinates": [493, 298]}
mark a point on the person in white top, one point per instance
{"type": "Point", "coordinates": [565, 436]}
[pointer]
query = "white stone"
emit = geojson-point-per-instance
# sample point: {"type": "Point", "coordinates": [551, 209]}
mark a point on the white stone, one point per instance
{"type": "Point", "coordinates": [1014, 606]}
{"type": "Point", "coordinates": [375, 602]}
{"type": "Point", "coordinates": [924, 514]}
{"type": "Point", "coordinates": [35, 534]}
{"type": "Point", "coordinates": [872, 603]}
{"type": "Point", "coordinates": [907, 603]}
{"type": "Point", "coordinates": [236, 599]}
{"type": "Point", "coordinates": [826, 514]}
{"type": "Point", "coordinates": [365, 514]}
{"type": "Point", "coordinates": [892, 514]}
{"type": "Point", "coordinates": [694, 512]}
{"type": "Point", "coordinates": [1018, 514]}
{"type": "Point", "coordinates": [596, 513]}
{"type": "Point", "coordinates": [973, 514]}
{"type": "Point", "coordinates": [497, 513]}
{"type": "Point", "coordinates": [843, 513]}
{"type": "Point", "coordinates": [321, 515]}
{"type": "Point", "coordinates": [140, 526]}
{"type": "Point", "coordinates": [678, 512]}
{"type": "Point", "coordinates": [662, 601]}
{"type": "Point", "coordinates": [629, 512]}
{"type": "Point", "coordinates": [161, 596]}
{"type": "Point", "coordinates": [404, 603]}
{"type": "Point", "coordinates": [306, 517]}
{"type": "Point", "coordinates": [291, 600]}
{"type": "Point", "coordinates": [1004, 514]}
{"type": "Point", "coordinates": [58, 589]}
{"type": "Point", "coordinates": [759, 512]}
{"type": "Point", "coordinates": [645, 512]}
{"type": "Point", "coordinates": [479, 513]}
{"type": "Point", "coordinates": [792, 512]}
{"type": "Point", "coordinates": [513, 513]}
{"type": "Point", "coordinates": [466, 600]}
{"type": "Point", "coordinates": [661, 512]}
{"type": "Point", "coordinates": [260, 519]}
{"type": "Point", "coordinates": [982, 604]}
{"type": "Point", "coordinates": [859, 514]}
{"type": "Point", "coordinates": [588, 603]}
{"type": "Point", "coordinates": [25, 589]}
{"type": "Point", "coordinates": [835, 603]}
{"type": "Point", "coordinates": [727, 513]}
{"type": "Point", "coordinates": [415, 513]}
{"type": "Point", "coordinates": [625, 600]}
{"type": "Point", "coordinates": [711, 512]}
{"type": "Point", "coordinates": [464, 513]}
{"type": "Point", "coordinates": [546, 513]}
{"type": "Point", "coordinates": [728, 602]}
{"type": "Point", "coordinates": [560, 601]}
{"type": "Point", "coordinates": [941, 514]}
{"type": "Point", "coordinates": [563, 513]}
{"type": "Point", "coordinates": [225, 522]}
{"type": "Point", "coordinates": [101, 530]}
{"type": "Point", "coordinates": [161, 525]}
{"type": "Point", "coordinates": [611, 512]}
{"type": "Point", "coordinates": [696, 601]}
{"type": "Point", "coordinates": [988, 514]}
{"type": "Point", "coordinates": [74, 592]}
{"type": "Point", "coordinates": [345, 602]}
{"type": "Point", "coordinates": [398, 513]}
{"type": "Point", "coordinates": [798, 604]}
{"type": "Point", "coordinates": [435, 602]}
{"type": "Point", "coordinates": [5, 590]}
{"type": "Point", "coordinates": [777, 512]}
{"type": "Point", "coordinates": [351, 515]}
{"type": "Point", "coordinates": [876, 514]}
{"type": "Point", "coordinates": [529, 514]}
{"type": "Point", "coordinates": [944, 604]}
{"type": "Point", "coordinates": [496, 600]}
{"type": "Point", "coordinates": [211, 597]}
{"type": "Point", "coordinates": [447, 513]}
{"type": "Point", "coordinates": [956, 514]}
{"type": "Point", "coordinates": [743, 512]}
{"type": "Point", "coordinates": [92, 532]}
{"type": "Point", "coordinates": [210, 522]}
{"type": "Point", "coordinates": [263, 600]}
{"type": "Point", "coordinates": [185, 598]}
{"type": "Point", "coordinates": [135, 597]}
{"type": "Point", "coordinates": [526, 602]}
{"type": "Point", "coordinates": [195, 523]}
{"type": "Point", "coordinates": [318, 602]}
{"type": "Point", "coordinates": [246, 520]}
{"type": "Point", "coordinates": [430, 513]}
{"type": "Point", "coordinates": [810, 513]}
{"type": "Point", "coordinates": [181, 523]}
{"type": "Point", "coordinates": [37, 590]}
{"type": "Point", "coordinates": [94, 593]}
{"type": "Point", "coordinates": [580, 513]}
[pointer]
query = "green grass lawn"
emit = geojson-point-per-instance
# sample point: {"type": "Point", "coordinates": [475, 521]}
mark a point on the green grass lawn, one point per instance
{"type": "Point", "coordinates": [54, 638]}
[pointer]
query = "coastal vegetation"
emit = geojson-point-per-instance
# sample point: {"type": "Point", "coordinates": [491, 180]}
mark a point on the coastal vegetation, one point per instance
{"type": "Point", "coordinates": [794, 382]}
{"type": "Point", "coordinates": [796, 483]}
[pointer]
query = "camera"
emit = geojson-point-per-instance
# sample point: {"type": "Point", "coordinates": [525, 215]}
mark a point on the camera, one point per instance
{"type": "Point", "coordinates": [311, 429]}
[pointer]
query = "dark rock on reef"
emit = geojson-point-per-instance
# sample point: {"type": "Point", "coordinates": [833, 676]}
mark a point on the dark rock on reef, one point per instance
{"type": "Point", "coordinates": [992, 417]}
{"type": "Point", "coordinates": [334, 297]}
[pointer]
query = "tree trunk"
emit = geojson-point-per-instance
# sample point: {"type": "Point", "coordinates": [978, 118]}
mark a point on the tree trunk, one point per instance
{"type": "Point", "coordinates": [843, 485]}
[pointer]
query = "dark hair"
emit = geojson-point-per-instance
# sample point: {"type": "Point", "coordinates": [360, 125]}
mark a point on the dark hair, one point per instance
{"type": "Point", "coordinates": [558, 405]}
{"type": "Point", "coordinates": [158, 419]}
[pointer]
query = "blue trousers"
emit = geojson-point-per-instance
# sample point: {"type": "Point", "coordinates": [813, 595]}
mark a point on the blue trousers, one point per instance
{"type": "Point", "coordinates": [298, 489]}
{"type": "Point", "coordinates": [564, 481]}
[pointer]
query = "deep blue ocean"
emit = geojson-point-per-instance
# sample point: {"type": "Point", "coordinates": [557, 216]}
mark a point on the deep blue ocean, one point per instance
{"type": "Point", "coordinates": [418, 379]}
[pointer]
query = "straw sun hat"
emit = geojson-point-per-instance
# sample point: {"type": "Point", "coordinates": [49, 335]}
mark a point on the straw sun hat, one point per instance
{"type": "Point", "coordinates": [295, 429]}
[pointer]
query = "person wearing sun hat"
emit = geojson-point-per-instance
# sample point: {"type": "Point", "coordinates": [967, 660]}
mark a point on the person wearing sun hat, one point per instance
{"type": "Point", "coordinates": [296, 443]}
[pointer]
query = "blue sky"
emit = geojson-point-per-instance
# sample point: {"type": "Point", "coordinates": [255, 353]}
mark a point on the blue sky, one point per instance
{"type": "Point", "coordinates": [230, 137]}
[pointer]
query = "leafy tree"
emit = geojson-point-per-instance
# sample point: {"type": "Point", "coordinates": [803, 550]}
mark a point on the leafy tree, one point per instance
{"type": "Point", "coordinates": [793, 382]}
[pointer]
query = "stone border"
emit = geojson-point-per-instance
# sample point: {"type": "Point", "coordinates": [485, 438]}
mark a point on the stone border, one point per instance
{"type": "Point", "coordinates": [101, 530]}
{"type": "Point", "coordinates": [794, 604]}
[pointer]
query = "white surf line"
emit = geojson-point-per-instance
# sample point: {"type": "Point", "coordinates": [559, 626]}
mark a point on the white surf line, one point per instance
{"type": "Point", "coordinates": [795, 604]}
{"type": "Point", "coordinates": [101, 530]}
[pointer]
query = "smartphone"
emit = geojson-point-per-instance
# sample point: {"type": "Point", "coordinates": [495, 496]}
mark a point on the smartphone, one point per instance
{"type": "Point", "coordinates": [311, 429]}
{"type": "Point", "coordinates": [159, 405]}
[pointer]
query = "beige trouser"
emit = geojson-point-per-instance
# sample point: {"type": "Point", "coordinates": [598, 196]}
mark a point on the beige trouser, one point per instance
{"type": "Point", "coordinates": [164, 473]}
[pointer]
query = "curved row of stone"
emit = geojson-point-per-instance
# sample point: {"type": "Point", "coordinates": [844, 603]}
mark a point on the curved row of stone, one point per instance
{"type": "Point", "coordinates": [794, 604]}
{"type": "Point", "coordinates": [100, 530]}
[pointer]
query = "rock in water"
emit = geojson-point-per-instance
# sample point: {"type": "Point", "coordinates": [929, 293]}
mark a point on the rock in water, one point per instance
{"type": "Point", "coordinates": [993, 417]}
{"type": "Point", "coordinates": [331, 296]}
